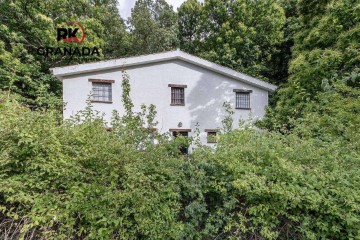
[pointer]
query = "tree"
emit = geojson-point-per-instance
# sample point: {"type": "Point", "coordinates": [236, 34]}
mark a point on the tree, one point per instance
{"type": "Point", "coordinates": [326, 48]}
{"type": "Point", "coordinates": [189, 15]}
{"type": "Point", "coordinates": [113, 32]}
{"type": "Point", "coordinates": [75, 180]}
{"type": "Point", "coordinates": [241, 34]}
{"type": "Point", "coordinates": [27, 25]}
{"type": "Point", "coordinates": [153, 27]}
{"type": "Point", "coordinates": [280, 60]}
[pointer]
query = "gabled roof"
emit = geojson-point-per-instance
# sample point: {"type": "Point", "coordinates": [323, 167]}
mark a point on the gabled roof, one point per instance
{"type": "Point", "coordinates": [61, 72]}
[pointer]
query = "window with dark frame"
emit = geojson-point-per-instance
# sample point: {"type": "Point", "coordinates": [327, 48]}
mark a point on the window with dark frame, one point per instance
{"type": "Point", "coordinates": [184, 147]}
{"type": "Point", "coordinates": [177, 95]}
{"type": "Point", "coordinates": [211, 135]}
{"type": "Point", "coordinates": [242, 99]}
{"type": "Point", "coordinates": [101, 90]}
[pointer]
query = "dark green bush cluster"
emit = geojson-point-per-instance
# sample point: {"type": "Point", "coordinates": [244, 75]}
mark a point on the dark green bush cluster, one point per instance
{"type": "Point", "coordinates": [276, 186]}
{"type": "Point", "coordinates": [78, 180]}
{"type": "Point", "coordinates": [71, 181]}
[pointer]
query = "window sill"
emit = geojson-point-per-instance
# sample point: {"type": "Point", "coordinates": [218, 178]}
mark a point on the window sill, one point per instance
{"type": "Point", "coordinates": [212, 130]}
{"type": "Point", "coordinates": [95, 101]}
{"type": "Point", "coordinates": [177, 104]}
{"type": "Point", "coordinates": [244, 108]}
{"type": "Point", "coordinates": [179, 130]}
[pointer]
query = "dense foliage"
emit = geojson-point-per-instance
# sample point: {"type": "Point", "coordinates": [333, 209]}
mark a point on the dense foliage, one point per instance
{"type": "Point", "coordinates": [243, 35]}
{"type": "Point", "coordinates": [153, 27]}
{"type": "Point", "coordinates": [27, 25]}
{"type": "Point", "coordinates": [326, 50]}
{"type": "Point", "coordinates": [75, 179]}
{"type": "Point", "coordinates": [296, 178]}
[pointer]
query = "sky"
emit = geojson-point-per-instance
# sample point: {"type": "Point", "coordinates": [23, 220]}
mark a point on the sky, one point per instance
{"type": "Point", "coordinates": [126, 5]}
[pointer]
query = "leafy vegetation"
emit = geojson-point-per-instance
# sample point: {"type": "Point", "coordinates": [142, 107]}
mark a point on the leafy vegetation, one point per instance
{"type": "Point", "coordinates": [27, 25]}
{"type": "Point", "coordinates": [75, 179]}
{"type": "Point", "coordinates": [296, 178]}
{"type": "Point", "coordinates": [326, 51]}
{"type": "Point", "coordinates": [153, 27]}
{"type": "Point", "coordinates": [243, 35]}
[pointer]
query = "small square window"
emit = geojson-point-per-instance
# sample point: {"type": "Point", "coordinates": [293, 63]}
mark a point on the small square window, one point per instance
{"type": "Point", "coordinates": [211, 137]}
{"type": "Point", "coordinates": [101, 92]}
{"type": "Point", "coordinates": [242, 100]}
{"type": "Point", "coordinates": [178, 96]}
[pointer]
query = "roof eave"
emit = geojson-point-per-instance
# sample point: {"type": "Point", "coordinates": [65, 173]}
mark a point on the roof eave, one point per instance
{"type": "Point", "coordinates": [61, 72]}
{"type": "Point", "coordinates": [120, 63]}
{"type": "Point", "coordinates": [230, 73]}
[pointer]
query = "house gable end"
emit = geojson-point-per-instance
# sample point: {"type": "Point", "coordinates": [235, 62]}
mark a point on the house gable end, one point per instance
{"type": "Point", "coordinates": [61, 72]}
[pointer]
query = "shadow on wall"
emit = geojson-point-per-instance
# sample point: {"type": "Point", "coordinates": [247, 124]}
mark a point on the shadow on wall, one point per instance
{"type": "Point", "coordinates": [205, 101]}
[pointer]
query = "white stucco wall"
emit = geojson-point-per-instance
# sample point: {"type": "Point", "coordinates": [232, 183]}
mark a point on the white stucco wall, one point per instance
{"type": "Point", "coordinates": [204, 96]}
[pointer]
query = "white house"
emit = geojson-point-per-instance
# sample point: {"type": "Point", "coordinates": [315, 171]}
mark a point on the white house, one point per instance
{"type": "Point", "coordinates": [188, 91]}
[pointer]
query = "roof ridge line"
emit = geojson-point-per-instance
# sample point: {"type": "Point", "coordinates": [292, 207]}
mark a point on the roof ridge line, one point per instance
{"type": "Point", "coordinates": [60, 72]}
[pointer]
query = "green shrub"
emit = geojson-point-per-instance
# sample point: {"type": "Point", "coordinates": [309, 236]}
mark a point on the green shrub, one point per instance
{"type": "Point", "coordinates": [77, 180]}
{"type": "Point", "coordinates": [282, 186]}
{"type": "Point", "coordinates": [81, 180]}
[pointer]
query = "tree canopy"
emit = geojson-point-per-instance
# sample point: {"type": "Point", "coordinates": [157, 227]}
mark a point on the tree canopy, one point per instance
{"type": "Point", "coordinates": [27, 25]}
{"type": "Point", "coordinates": [326, 50]}
{"type": "Point", "coordinates": [293, 175]}
{"type": "Point", "coordinates": [243, 35]}
{"type": "Point", "coordinates": [153, 27]}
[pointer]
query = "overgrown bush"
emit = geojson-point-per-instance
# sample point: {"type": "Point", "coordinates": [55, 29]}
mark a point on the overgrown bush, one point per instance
{"type": "Point", "coordinates": [276, 186]}
{"type": "Point", "coordinates": [83, 181]}
{"type": "Point", "coordinates": [78, 180]}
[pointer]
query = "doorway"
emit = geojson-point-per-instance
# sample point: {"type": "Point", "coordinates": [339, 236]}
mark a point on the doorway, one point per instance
{"type": "Point", "coordinates": [184, 149]}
